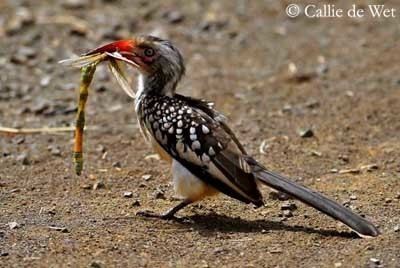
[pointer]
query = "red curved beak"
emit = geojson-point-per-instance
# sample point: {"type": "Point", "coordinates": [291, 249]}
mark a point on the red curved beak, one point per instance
{"type": "Point", "coordinates": [123, 50]}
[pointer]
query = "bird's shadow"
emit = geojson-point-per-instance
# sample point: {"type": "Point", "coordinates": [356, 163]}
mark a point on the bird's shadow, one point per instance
{"type": "Point", "coordinates": [212, 222]}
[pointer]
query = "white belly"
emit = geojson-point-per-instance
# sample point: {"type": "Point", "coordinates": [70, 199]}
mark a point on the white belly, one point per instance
{"type": "Point", "coordinates": [188, 186]}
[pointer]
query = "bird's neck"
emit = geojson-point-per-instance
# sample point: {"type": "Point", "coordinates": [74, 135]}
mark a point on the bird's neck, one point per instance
{"type": "Point", "coordinates": [156, 84]}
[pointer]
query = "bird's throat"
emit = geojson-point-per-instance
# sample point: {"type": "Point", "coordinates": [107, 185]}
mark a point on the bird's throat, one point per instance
{"type": "Point", "coordinates": [157, 84]}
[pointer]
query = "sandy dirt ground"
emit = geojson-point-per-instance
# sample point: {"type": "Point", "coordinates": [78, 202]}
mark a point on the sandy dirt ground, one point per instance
{"type": "Point", "coordinates": [334, 81]}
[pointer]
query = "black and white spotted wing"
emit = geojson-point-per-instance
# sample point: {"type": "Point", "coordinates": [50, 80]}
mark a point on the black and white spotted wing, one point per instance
{"type": "Point", "coordinates": [196, 136]}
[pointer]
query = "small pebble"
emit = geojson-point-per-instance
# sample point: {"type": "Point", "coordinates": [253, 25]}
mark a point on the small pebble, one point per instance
{"type": "Point", "coordinates": [116, 164]}
{"type": "Point", "coordinates": [351, 171]}
{"type": "Point", "coordinates": [146, 177]}
{"type": "Point", "coordinates": [54, 150]}
{"type": "Point", "coordinates": [75, 4]}
{"type": "Point", "coordinates": [375, 261]}
{"type": "Point", "coordinates": [287, 214]}
{"type": "Point", "coordinates": [60, 229]}
{"type": "Point", "coordinates": [369, 167]}
{"type": "Point", "coordinates": [100, 148]}
{"type": "Point", "coordinates": [158, 194]}
{"type": "Point", "coordinates": [96, 264]}
{"type": "Point", "coordinates": [13, 225]}
{"type": "Point", "coordinates": [23, 55]}
{"type": "Point", "coordinates": [45, 81]}
{"type": "Point", "coordinates": [218, 250]}
{"type": "Point", "coordinates": [100, 88]}
{"type": "Point", "coordinates": [312, 103]}
{"type": "Point", "coordinates": [86, 186]}
{"type": "Point", "coordinates": [306, 133]}
{"type": "Point", "coordinates": [353, 197]}
{"type": "Point", "coordinates": [23, 159]}
{"type": "Point", "coordinates": [128, 194]}
{"type": "Point", "coordinates": [136, 203]}
{"type": "Point", "coordinates": [344, 158]}
{"type": "Point", "coordinates": [279, 196]}
{"type": "Point", "coordinates": [275, 251]}
{"type": "Point", "coordinates": [19, 140]}
{"type": "Point", "coordinates": [40, 106]}
{"type": "Point", "coordinates": [98, 185]}
{"type": "Point", "coordinates": [22, 17]}
{"type": "Point", "coordinates": [288, 206]}
{"type": "Point", "coordinates": [315, 153]}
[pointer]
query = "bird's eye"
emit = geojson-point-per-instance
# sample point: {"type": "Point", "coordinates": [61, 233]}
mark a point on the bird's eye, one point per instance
{"type": "Point", "coordinates": [149, 52]}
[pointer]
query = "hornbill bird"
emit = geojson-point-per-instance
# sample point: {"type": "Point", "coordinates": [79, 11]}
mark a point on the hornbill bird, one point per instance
{"type": "Point", "coordinates": [206, 157]}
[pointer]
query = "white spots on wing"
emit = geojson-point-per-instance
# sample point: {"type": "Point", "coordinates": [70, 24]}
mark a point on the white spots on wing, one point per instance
{"type": "Point", "coordinates": [193, 137]}
{"type": "Point", "coordinates": [166, 125]}
{"type": "Point", "coordinates": [178, 137]}
{"type": "Point", "coordinates": [180, 123]}
{"type": "Point", "coordinates": [192, 130]}
{"type": "Point", "coordinates": [171, 130]}
{"type": "Point", "coordinates": [178, 131]}
{"type": "Point", "coordinates": [220, 145]}
{"type": "Point", "coordinates": [179, 117]}
{"type": "Point", "coordinates": [164, 119]}
{"type": "Point", "coordinates": [205, 129]}
{"type": "Point", "coordinates": [189, 111]}
{"type": "Point", "coordinates": [172, 109]}
{"type": "Point", "coordinates": [151, 118]}
{"type": "Point", "coordinates": [211, 151]}
{"type": "Point", "coordinates": [180, 111]}
{"type": "Point", "coordinates": [205, 158]}
{"type": "Point", "coordinates": [158, 112]}
{"type": "Point", "coordinates": [196, 145]}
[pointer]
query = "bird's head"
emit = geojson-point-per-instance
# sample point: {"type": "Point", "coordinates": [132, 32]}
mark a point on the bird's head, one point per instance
{"type": "Point", "coordinates": [159, 62]}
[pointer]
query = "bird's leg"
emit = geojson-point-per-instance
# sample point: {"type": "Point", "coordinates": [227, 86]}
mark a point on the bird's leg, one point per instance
{"type": "Point", "coordinates": [170, 214]}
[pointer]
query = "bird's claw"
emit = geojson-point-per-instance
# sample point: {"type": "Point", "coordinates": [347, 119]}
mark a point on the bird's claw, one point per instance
{"type": "Point", "coordinates": [165, 216]}
{"type": "Point", "coordinates": [151, 214]}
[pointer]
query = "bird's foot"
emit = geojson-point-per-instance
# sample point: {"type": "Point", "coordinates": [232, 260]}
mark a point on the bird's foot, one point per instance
{"type": "Point", "coordinates": [151, 214]}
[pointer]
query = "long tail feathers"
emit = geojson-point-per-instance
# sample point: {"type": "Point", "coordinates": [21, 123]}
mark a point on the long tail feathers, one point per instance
{"type": "Point", "coordinates": [360, 225]}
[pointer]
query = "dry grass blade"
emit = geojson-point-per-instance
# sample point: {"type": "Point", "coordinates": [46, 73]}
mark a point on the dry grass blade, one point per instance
{"type": "Point", "coordinates": [84, 61]}
{"type": "Point", "coordinates": [117, 71]}
{"type": "Point", "coordinates": [10, 130]}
